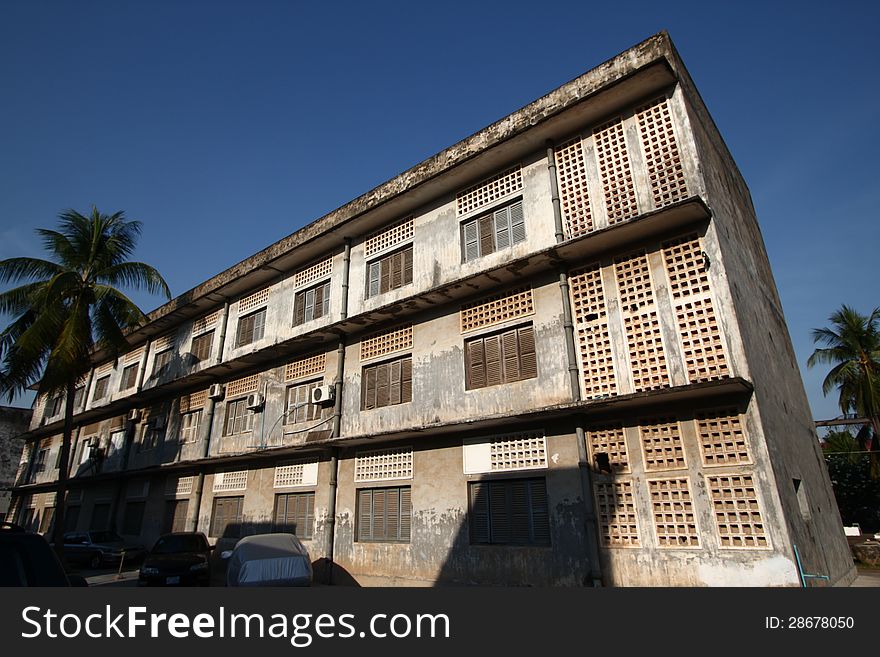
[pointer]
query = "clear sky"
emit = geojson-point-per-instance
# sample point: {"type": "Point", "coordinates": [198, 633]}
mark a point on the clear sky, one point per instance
{"type": "Point", "coordinates": [225, 126]}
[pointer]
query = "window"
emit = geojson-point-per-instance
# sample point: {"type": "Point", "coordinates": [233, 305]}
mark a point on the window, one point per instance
{"type": "Point", "coordinates": [391, 272]}
{"type": "Point", "coordinates": [129, 377]}
{"type": "Point", "coordinates": [509, 512]}
{"type": "Point", "coordinates": [226, 517]}
{"type": "Point", "coordinates": [100, 516]}
{"type": "Point", "coordinates": [493, 232]}
{"type": "Point", "coordinates": [175, 516]}
{"type": "Point", "coordinates": [101, 386]}
{"type": "Point", "coordinates": [151, 435]}
{"type": "Point", "coordinates": [386, 384]}
{"type": "Point", "coordinates": [239, 418]}
{"type": "Point", "coordinates": [161, 361]}
{"type": "Point", "coordinates": [500, 358]}
{"type": "Point", "coordinates": [42, 458]}
{"type": "Point", "coordinates": [299, 406]}
{"type": "Point", "coordinates": [46, 520]}
{"type": "Point", "coordinates": [384, 514]}
{"type": "Point", "coordinates": [250, 328]}
{"type": "Point", "coordinates": [295, 513]}
{"type": "Point", "coordinates": [85, 449]}
{"type": "Point", "coordinates": [201, 346]}
{"type": "Point", "coordinates": [311, 304]}
{"type": "Point", "coordinates": [57, 465]}
{"type": "Point", "coordinates": [133, 518]}
{"type": "Point", "coordinates": [189, 426]}
{"type": "Point", "coordinates": [53, 408]}
{"type": "Point", "coordinates": [78, 394]}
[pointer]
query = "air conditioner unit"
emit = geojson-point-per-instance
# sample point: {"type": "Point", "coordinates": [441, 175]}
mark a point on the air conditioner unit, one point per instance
{"type": "Point", "coordinates": [215, 391]}
{"type": "Point", "coordinates": [134, 415]}
{"type": "Point", "coordinates": [323, 394]}
{"type": "Point", "coordinates": [254, 401]}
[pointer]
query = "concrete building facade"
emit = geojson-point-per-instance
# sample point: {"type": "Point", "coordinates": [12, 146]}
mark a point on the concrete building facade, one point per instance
{"type": "Point", "coordinates": [552, 354]}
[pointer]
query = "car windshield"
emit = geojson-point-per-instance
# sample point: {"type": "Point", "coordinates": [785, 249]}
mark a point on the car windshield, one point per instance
{"type": "Point", "coordinates": [105, 537]}
{"type": "Point", "coordinates": [173, 544]}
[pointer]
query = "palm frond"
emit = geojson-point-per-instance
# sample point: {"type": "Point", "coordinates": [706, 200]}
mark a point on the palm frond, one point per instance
{"type": "Point", "coordinates": [27, 269]}
{"type": "Point", "coordinates": [136, 275]}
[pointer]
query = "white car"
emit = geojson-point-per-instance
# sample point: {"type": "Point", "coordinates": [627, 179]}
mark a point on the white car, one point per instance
{"type": "Point", "coordinates": [268, 560]}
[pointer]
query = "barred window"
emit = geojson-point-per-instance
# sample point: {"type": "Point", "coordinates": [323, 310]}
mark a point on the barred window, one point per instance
{"type": "Point", "coordinates": [390, 272]}
{"type": "Point", "coordinates": [387, 383]}
{"type": "Point", "coordinates": [250, 328]}
{"type": "Point", "coordinates": [101, 386]}
{"type": "Point", "coordinates": [311, 304]}
{"type": "Point", "coordinates": [299, 403]}
{"type": "Point", "coordinates": [129, 377]}
{"type": "Point", "coordinates": [226, 517]}
{"type": "Point", "coordinates": [295, 514]}
{"type": "Point", "coordinates": [384, 514]}
{"type": "Point", "coordinates": [239, 418]}
{"type": "Point", "coordinates": [501, 358]}
{"type": "Point", "coordinates": [493, 232]}
{"type": "Point", "coordinates": [509, 512]}
{"type": "Point", "coordinates": [201, 346]}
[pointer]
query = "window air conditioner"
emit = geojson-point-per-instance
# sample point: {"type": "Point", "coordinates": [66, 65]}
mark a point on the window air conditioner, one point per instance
{"type": "Point", "coordinates": [215, 391]}
{"type": "Point", "coordinates": [323, 394]}
{"type": "Point", "coordinates": [254, 401]}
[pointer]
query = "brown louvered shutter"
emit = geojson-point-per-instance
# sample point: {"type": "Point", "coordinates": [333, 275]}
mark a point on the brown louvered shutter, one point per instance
{"type": "Point", "coordinates": [394, 376]}
{"type": "Point", "coordinates": [510, 354]}
{"type": "Point", "coordinates": [476, 369]}
{"type": "Point", "coordinates": [519, 512]}
{"type": "Point", "coordinates": [319, 302]}
{"type": "Point", "coordinates": [369, 388]}
{"type": "Point", "coordinates": [408, 266]}
{"type": "Point", "coordinates": [385, 275]}
{"type": "Point", "coordinates": [392, 514]}
{"type": "Point", "coordinates": [540, 514]}
{"type": "Point", "coordinates": [406, 380]}
{"type": "Point", "coordinates": [492, 346]}
{"type": "Point", "coordinates": [365, 515]}
{"type": "Point", "coordinates": [299, 309]}
{"type": "Point", "coordinates": [382, 385]}
{"type": "Point", "coordinates": [396, 270]}
{"type": "Point", "coordinates": [405, 513]}
{"type": "Point", "coordinates": [379, 515]}
{"type": "Point", "coordinates": [479, 512]}
{"type": "Point", "coordinates": [527, 359]}
{"type": "Point", "coordinates": [498, 515]}
{"type": "Point", "coordinates": [487, 235]}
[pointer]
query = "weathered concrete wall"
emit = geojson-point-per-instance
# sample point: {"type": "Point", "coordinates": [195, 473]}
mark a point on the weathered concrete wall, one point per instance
{"type": "Point", "coordinates": [13, 422]}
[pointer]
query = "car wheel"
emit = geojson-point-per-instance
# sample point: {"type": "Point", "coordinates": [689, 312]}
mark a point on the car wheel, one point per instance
{"type": "Point", "coordinates": [95, 561]}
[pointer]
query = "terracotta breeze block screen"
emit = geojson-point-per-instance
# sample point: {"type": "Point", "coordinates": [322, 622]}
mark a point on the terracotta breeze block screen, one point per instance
{"type": "Point", "coordinates": [518, 452]}
{"type": "Point", "coordinates": [573, 188]}
{"type": "Point", "coordinates": [193, 401]}
{"type": "Point", "coordinates": [384, 464]}
{"type": "Point", "coordinates": [662, 158]}
{"type": "Point", "coordinates": [255, 300]}
{"type": "Point", "coordinates": [662, 446]}
{"type": "Point", "coordinates": [673, 508]}
{"type": "Point", "coordinates": [615, 171]}
{"type": "Point", "coordinates": [610, 440]}
{"type": "Point", "coordinates": [618, 520]}
{"type": "Point", "coordinates": [242, 386]}
{"type": "Point", "coordinates": [388, 238]}
{"type": "Point", "coordinates": [490, 190]}
{"type": "Point", "coordinates": [737, 514]}
{"type": "Point", "coordinates": [315, 272]}
{"type": "Point", "coordinates": [204, 323]}
{"type": "Point", "coordinates": [497, 308]}
{"type": "Point", "coordinates": [305, 367]}
{"type": "Point", "coordinates": [591, 322]}
{"type": "Point", "coordinates": [722, 440]}
{"type": "Point", "coordinates": [387, 342]}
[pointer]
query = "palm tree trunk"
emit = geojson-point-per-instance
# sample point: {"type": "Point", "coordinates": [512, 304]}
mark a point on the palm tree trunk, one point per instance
{"type": "Point", "coordinates": [63, 469]}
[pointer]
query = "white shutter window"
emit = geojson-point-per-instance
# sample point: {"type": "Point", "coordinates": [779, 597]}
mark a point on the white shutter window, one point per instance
{"type": "Point", "coordinates": [471, 241]}
{"type": "Point", "coordinates": [310, 305]}
{"type": "Point", "coordinates": [502, 228]}
{"type": "Point", "coordinates": [517, 223]}
{"type": "Point", "coordinates": [375, 272]}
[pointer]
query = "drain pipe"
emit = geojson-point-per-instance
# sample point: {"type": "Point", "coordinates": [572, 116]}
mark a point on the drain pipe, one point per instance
{"type": "Point", "coordinates": [346, 265]}
{"type": "Point", "coordinates": [554, 191]}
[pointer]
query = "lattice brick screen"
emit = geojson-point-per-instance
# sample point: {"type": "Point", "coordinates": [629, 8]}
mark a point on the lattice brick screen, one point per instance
{"type": "Point", "coordinates": [390, 237]}
{"type": "Point", "coordinates": [609, 439]}
{"type": "Point", "coordinates": [647, 358]}
{"type": "Point", "coordinates": [737, 513]}
{"type": "Point", "coordinates": [387, 342]}
{"type": "Point", "coordinates": [293, 474]}
{"type": "Point", "coordinates": [305, 367]}
{"type": "Point", "coordinates": [133, 356]}
{"type": "Point", "coordinates": [661, 444]}
{"type": "Point", "coordinates": [163, 343]}
{"type": "Point", "coordinates": [634, 281]}
{"type": "Point", "coordinates": [226, 481]}
{"type": "Point", "coordinates": [591, 321]}
{"type": "Point", "coordinates": [243, 386]}
{"type": "Point", "coordinates": [104, 369]}
{"type": "Point", "coordinates": [49, 499]}
{"type": "Point", "coordinates": [662, 158]}
{"type": "Point", "coordinates": [573, 188]}
{"type": "Point", "coordinates": [686, 266]}
{"type": "Point", "coordinates": [175, 486]}
{"type": "Point", "coordinates": [673, 509]}
{"type": "Point", "coordinates": [384, 464]}
{"type": "Point", "coordinates": [525, 451]}
{"type": "Point", "coordinates": [489, 190]}
{"type": "Point", "coordinates": [255, 300]}
{"type": "Point", "coordinates": [497, 308]}
{"type": "Point", "coordinates": [701, 340]}
{"type": "Point", "coordinates": [202, 324]}
{"type": "Point", "coordinates": [314, 272]}
{"type": "Point", "coordinates": [722, 440]}
{"type": "Point", "coordinates": [193, 401]}
{"type": "Point", "coordinates": [618, 520]}
{"type": "Point", "coordinates": [615, 171]}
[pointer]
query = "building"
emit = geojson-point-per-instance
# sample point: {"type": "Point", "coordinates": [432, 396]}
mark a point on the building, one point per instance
{"type": "Point", "coordinates": [552, 354]}
{"type": "Point", "coordinates": [13, 423]}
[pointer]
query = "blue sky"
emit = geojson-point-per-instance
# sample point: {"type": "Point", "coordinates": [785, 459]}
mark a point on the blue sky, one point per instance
{"type": "Point", "coordinates": [225, 126]}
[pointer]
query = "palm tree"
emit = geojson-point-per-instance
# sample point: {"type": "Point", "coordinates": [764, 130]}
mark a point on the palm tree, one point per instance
{"type": "Point", "coordinates": [67, 307]}
{"type": "Point", "coordinates": [852, 347]}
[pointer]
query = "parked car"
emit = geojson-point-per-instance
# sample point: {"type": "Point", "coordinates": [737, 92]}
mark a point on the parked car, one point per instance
{"type": "Point", "coordinates": [269, 560]}
{"type": "Point", "coordinates": [177, 559]}
{"type": "Point", "coordinates": [97, 548]}
{"type": "Point", "coordinates": [27, 559]}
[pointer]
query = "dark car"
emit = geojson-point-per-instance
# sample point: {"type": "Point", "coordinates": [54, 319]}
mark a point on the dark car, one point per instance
{"type": "Point", "coordinates": [98, 548]}
{"type": "Point", "coordinates": [26, 559]}
{"type": "Point", "coordinates": [269, 560]}
{"type": "Point", "coordinates": [178, 559]}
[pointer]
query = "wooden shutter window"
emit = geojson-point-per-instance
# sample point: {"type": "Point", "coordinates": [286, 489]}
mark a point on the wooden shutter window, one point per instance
{"type": "Point", "coordinates": [365, 515]}
{"type": "Point", "coordinates": [528, 359]}
{"type": "Point", "coordinates": [406, 380]}
{"type": "Point", "coordinates": [509, 512]}
{"type": "Point", "coordinates": [501, 358]}
{"type": "Point", "coordinates": [387, 384]}
{"type": "Point", "coordinates": [475, 370]}
{"type": "Point", "coordinates": [471, 241]}
{"type": "Point", "coordinates": [517, 223]}
{"type": "Point", "coordinates": [487, 237]}
{"type": "Point", "coordinates": [391, 272]}
{"type": "Point", "coordinates": [384, 514]}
